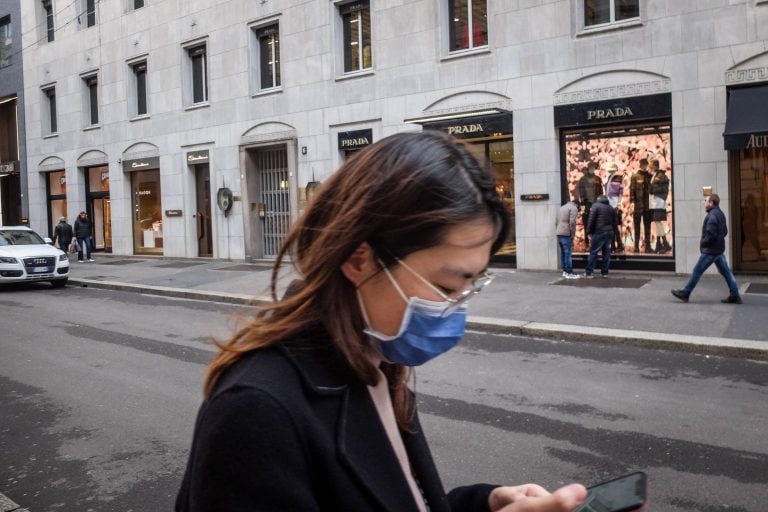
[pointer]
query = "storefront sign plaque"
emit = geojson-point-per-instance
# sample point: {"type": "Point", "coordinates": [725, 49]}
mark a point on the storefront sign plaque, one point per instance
{"type": "Point", "coordinates": [197, 157]}
{"type": "Point", "coordinates": [356, 139]}
{"type": "Point", "coordinates": [534, 197]}
{"type": "Point", "coordinates": [173, 213]}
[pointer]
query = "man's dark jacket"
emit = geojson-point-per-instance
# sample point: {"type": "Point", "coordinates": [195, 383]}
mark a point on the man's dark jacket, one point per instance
{"type": "Point", "coordinates": [82, 228]}
{"type": "Point", "coordinates": [713, 232]}
{"type": "Point", "coordinates": [292, 428]}
{"type": "Point", "coordinates": [63, 233]}
{"type": "Point", "coordinates": [602, 218]}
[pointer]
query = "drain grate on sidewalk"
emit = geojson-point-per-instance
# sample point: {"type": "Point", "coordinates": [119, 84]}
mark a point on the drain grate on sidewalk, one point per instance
{"type": "Point", "coordinates": [599, 282]}
{"type": "Point", "coordinates": [761, 288]}
{"type": "Point", "coordinates": [180, 264]}
{"type": "Point", "coordinates": [119, 262]}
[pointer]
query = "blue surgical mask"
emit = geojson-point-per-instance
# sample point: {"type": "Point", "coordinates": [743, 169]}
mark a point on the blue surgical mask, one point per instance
{"type": "Point", "coordinates": [425, 332]}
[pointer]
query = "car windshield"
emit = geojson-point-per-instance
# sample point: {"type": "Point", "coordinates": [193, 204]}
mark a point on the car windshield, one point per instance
{"type": "Point", "coordinates": [19, 237]}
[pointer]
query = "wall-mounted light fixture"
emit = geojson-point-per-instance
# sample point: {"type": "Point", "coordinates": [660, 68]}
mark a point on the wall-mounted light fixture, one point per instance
{"type": "Point", "coordinates": [303, 150]}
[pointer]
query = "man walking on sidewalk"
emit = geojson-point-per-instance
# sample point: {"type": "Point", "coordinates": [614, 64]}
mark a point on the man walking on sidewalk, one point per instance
{"type": "Point", "coordinates": [712, 251]}
{"type": "Point", "coordinates": [566, 229]}
{"type": "Point", "coordinates": [600, 228]}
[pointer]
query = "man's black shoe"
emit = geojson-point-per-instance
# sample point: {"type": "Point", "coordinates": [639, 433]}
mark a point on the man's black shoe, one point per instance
{"type": "Point", "coordinates": [680, 294]}
{"type": "Point", "coordinates": [732, 300]}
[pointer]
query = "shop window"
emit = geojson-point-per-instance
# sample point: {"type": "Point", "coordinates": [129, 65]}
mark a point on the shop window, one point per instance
{"type": "Point", "coordinates": [49, 121]}
{"type": "Point", "coordinates": [605, 12]}
{"type": "Point", "coordinates": [56, 187]}
{"type": "Point", "coordinates": [148, 218]}
{"type": "Point", "coordinates": [48, 16]}
{"type": "Point", "coordinates": [266, 47]}
{"type": "Point", "coordinates": [196, 70]}
{"type": "Point", "coordinates": [641, 196]}
{"type": "Point", "coordinates": [138, 91]}
{"type": "Point", "coordinates": [138, 4]}
{"type": "Point", "coordinates": [751, 212]}
{"type": "Point", "coordinates": [356, 35]}
{"type": "Point", "coordinates": [6, 45]}
{"type": "Point", "coordinates": [468, 22]}
{"type": "Point", "coordinates": [91, 103]}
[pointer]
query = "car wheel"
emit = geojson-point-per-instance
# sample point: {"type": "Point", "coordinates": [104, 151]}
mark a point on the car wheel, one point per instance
{"type": "Point", "coordinates": [59, 283]}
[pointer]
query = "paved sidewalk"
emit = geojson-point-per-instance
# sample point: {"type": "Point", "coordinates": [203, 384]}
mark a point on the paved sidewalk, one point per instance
{"type": "Point", "coordinates": [628, 307]}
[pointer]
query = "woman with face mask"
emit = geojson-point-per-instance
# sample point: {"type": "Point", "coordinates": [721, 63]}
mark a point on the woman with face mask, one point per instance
{"type": "Point", "coordinates": [307, 407]}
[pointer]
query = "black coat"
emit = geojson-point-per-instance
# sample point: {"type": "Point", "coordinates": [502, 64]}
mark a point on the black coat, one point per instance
{"type": "Point", "coordinates": [602, 218]}
{"type": "Point", "coordinates": [82, 227]}
{"type": "Point", "coordinates": [292, 428]}
{"type": "Point", "coordinates": [63, 233]}
{"type": "Point", "coordinates": [713, 232]}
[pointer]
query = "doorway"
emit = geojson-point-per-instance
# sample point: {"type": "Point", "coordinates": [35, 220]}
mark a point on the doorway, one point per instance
{"type": "Point", "coordinates": [203, 210]}
{"type": "Point", "coordinates": [99, 206]}
{"type": "Point", "coordinates": [269, 193]}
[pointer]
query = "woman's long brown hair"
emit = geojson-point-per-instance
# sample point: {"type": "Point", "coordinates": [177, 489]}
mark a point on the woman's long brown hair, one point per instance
{"type": "Point", "coordinates": [399, 195]}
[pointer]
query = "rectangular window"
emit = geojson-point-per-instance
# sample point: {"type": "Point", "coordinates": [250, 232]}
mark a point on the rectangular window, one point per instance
{"type": "Point", "coordinates": [269, 56]}
{"type": "Point", "coordinates": [48, 12]}
{"type": "Point", "coordinates": [199, 73]}
{"type": "Point", "coordinates": [356, 35]}
{"type": "Point", "coordinates": [138, 4]}
{"type": "Point", "coordinates": [90, 13]}
{"type": "Point", "coordinates": [6, 46]}
{"type": "Point", "coordinates": [91, 100]}
{"type": "Point", "coordinates": [603, 12]}
{"type": "Point", "coordinates": [468, 24]}
{"type": "Point", "coordinates": [140, 87]}
{"type": "Point", "coordinates": [50, 123]}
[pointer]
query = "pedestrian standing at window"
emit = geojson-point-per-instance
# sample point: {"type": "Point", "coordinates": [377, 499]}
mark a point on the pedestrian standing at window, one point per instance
{"type": "Point", "coordinates": [63, 233]}
{"type": "Point", "coordinates": [83, 227]}
{"type": "Point", "coordinates": [565, 227]}
{"type": "Point", "coordinates": [712, 246]}
{"type": "Point", "coordinates": [307, 408]}
{"type": "Point", "coordinates": [602, 224]}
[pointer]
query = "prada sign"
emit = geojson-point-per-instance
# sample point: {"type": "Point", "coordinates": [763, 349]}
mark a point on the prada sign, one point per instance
{"type": "Point", "coordinates": [356, 139]}
{"type": "Point", "coordinates": [474, 127]}
{"type": "Point", "coordinates": [141, 164]}
{"type": "Point", "coordinates": [197, 157]}
{"type": "Point", "coordinates": [620, 110]}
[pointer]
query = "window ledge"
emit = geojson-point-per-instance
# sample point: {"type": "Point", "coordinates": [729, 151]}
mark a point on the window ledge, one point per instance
{"type": "Point", "coordinates": [471, 52]}
{"type": "Point", "coordinates": [355, 74]}
{"type": "Point", "coordinates": [51, 135]}
{"type": "Point", "coordinates": [267, 92]}
{"type": "Point", "coordinates": [196, 106]}
{"type": "Point", "coordinates": [92, 127]}
{"type": "Point", "coordinates": [139, 118]}
{"type": "Point", "coordinates": [609, 27]}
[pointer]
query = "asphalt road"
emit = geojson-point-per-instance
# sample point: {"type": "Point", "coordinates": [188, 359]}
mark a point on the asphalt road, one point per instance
{"type": "Point", "coordinates": [99, 389]}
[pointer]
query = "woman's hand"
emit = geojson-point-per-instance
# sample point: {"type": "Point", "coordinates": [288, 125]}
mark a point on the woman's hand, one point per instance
{"type": "Point", "coordinates": [534, 498]}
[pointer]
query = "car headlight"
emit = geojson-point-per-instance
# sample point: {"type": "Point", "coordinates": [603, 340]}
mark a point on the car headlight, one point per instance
{"type": "Point", "coordinates": [63, 257]}
{"type": "Point", "coordinates": [8, 259]}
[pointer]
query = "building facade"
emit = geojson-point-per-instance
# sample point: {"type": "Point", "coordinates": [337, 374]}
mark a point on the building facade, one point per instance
{"type": "Point", "coordinates": [13, 186]}
{"type": "Point", "coordinates": [191, 128]}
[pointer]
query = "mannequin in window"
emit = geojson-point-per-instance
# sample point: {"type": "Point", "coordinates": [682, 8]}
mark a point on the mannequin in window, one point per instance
{"type": "Point", "coordinates": [659, 190]}
{"type": "Point", "coordinates": [614, 190]}
{"type": "Point", "coordinates": [588, 188]}
{"type": "Point", "coordinates": [639, 191]}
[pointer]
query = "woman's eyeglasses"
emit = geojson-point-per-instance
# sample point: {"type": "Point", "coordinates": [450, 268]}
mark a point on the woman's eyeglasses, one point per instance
{"type": "Point", "coordinates": [458, 301]}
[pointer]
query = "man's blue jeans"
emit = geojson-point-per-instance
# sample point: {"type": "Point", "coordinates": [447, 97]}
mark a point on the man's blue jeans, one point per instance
{"type": "Point", "coordinates": [705, 260]}
{"type": "Point", "coordinates": [566, 252]}
{"type": "Point", "coordinates": [83, 242]}
{"type": "Point", "coordinates": [601, 242]}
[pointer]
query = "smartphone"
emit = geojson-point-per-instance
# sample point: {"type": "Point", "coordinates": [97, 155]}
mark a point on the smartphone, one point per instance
{"type": "Point", "coordinates": [627, 493]}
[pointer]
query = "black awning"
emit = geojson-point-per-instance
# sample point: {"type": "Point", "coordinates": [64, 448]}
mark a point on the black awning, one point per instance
{"type": "Point", "coordinates": [747, 122]}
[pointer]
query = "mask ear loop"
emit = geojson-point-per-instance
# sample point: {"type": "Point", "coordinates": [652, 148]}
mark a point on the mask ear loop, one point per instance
{"type": "Point", "coordinates": [394, 283]}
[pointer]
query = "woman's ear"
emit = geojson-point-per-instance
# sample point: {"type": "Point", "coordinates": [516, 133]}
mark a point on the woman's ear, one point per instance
{"type": "Point", "coordinates": [361, 265]}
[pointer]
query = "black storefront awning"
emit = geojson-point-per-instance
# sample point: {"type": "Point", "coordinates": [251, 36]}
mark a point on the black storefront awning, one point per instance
{"type": "Point", "coordinates": [746, 124]}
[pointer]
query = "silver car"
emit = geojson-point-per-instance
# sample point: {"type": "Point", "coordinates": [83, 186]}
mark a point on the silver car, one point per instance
{"type": "Point", "coordinates": [25, 256]}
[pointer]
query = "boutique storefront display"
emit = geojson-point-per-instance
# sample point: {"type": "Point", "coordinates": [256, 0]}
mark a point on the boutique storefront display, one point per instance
{"type": "Point", "coordinates": [56, 188]}
{"type": "Point", "coordinates": [147, 207]}
{"type": "Point", "coordinates": [622, 149]}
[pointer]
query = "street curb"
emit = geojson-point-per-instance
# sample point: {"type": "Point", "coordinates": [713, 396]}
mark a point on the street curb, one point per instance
{"type": "Point", "coordinates": [730, 347]}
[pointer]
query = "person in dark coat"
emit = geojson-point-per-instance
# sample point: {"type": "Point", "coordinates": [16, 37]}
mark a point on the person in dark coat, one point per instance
{"type": "Point", "coordinates": [602, 225]}
{"type": "Point", "coordinates": [63, 233]}
{"type": "Point", "coordinates": [307, 408]}
{"type": "Point", "coordinates": [83, 228]}
{"type": "Point", "coordinates": [712, 247]}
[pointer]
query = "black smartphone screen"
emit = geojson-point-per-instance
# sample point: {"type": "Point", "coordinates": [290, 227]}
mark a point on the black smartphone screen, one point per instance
{"type": "Point", "coordinates": [622, 494]}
